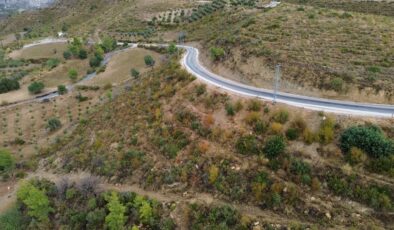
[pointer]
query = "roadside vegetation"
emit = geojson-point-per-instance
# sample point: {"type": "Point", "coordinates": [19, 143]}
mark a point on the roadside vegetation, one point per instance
{"type": "Point", "coordinates": [244, 150]}
{"type": "Point", "coordinates": [197, 157]}
{"type": "Point", "coordinates": [351, 65]}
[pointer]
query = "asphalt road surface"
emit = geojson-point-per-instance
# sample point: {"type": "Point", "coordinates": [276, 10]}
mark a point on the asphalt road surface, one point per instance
{"type": "Point", "coordinates": [191, 62]}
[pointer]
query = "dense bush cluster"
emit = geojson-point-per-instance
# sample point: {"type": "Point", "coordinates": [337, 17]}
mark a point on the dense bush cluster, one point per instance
{"type": "Point", "coordinates": [370, 139]}
{"type": "Point", "coordinates": [222, 217]}
{"type": "Point", "coordinates": [7, 84]}
{"type": "Point", "coordinates": [36, 87]}
{"type": "Point", "coordinates": [44, 205]}
{"type": "Point", "coordinates": [376, 196]}
{"type": "Point", "coordinates": [7, 161]}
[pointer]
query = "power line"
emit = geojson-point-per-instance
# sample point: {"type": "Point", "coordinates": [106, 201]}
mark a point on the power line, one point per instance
{"type": "Point", "coordinates": [276, 81]}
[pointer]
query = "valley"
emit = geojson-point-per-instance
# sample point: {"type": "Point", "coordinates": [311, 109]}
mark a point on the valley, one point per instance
{"type": "Point", "coordinates": [137, 114]}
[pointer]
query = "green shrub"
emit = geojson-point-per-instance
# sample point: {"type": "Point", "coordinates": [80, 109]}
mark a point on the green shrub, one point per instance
{"type": "Point", "coordinates": [337, 84]}
{"type": "Point", "coordinates": [217, 53]}
{"type": "Point", "coordinates": [299, 167]}
{"type": "Point", "coordinates": [292, 134]}
{"type": "Point", "coordinates": [230, 111]}
{"type": "Point", "coordinates": [73, 74]}
{"type": "Point", "coordinates": [62, 89]}
{"type": "Point", "coordinates": [67, 55]}
{"type": "Point", "coordinates": [54, 124]}
{"type": "Point", "coordinates": [135, 73]}
{"type": "Point", "coordinates": [282, 116]}
{"type": "Point", "coordinates": [382, 165]}
{"type": "Point", "coordinates": [369, 139]}
{"type": "Point", "coordinates": [52, 63]}
{"type": "Point", "coordinates": [247, 145]}
{"type": "Point", "coordinates": [95, 61]}
{"type": "Point", "coordinates": [260, 127]}
{"type": "Point", "coordinates": [12, 219]}
{"type": "Point", "coordinates": [201, 89]}
{"type": "Point", "coordinates": [172, 48]}
{"type": "Point", "coordinates": [115, 218]}
{"type": "Point", "coordinates": [149, 61]}
{"type": "Point", "coordinates": [6, 161]}
{"type": "Point", "coordinates": [108, 44]}
{"type": "Point", "coordinates": [254, 105]}
{"type": "Point", "coordinates": [374, 69]}
{"type": "Point", "coordinates": [83, 54]}
{"type": "Point", "coordinates": [7, 85]}
{"type": "Point", "coordinates": [36, 87]}
{"type": "Point", "coordinates": [35, 200]}
{"type": "Point", "coordinates": [274, 146]}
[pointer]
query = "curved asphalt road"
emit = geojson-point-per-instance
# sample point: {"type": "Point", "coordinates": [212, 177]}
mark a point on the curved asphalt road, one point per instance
{"type": "Point", "coordinates": [192, 64]}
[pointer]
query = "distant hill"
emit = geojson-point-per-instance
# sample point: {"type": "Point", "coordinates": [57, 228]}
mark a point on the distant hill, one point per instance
{"type": "Point", "coordinates": [24, 4]}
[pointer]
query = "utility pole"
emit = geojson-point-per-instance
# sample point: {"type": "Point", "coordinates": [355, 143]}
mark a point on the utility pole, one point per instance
{"type": "Point", "coordinates": [277, 81]}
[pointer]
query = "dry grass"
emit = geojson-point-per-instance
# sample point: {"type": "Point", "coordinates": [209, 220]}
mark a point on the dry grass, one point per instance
{"type": "Point", "coordinates": [313, 45]}
{"type": "Point", "coordinates": [118, 69]}
{"type": "Point", "coordinates": [41, 51]}
{"type": "Point", "coordinates": [59, 75]}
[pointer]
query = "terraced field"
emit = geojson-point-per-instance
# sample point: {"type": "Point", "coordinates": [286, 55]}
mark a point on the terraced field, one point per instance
{"type": "Point", "coordinates": [323, 52]}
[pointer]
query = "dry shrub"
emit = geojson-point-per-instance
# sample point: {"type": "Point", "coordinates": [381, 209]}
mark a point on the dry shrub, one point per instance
{"type": "Point", "coordinates": [309, 136]}
{"type": "Point", "coordinates": [217, 134]}
{"type": "Point", "coordinates": [315, 184]}
{"type": "Point", "coordinates": [276, 127]}
{"type": "Point", "coordinates": [299, 124]}
{"type": "Point", "coordinates": [356, 156]}
{"type": "Point", "coordinates": [277, 187]}
{"type": "Point", "coordinates": [252, 118]}
{"type": "Point", "coordinates": [203, 146]}
{"type": "Point", "coordinates": [213, 174]}
{"type": "Point", "coordinates": [158, 114]}
{"type": "Point", "coordinates": [208, 120]}
{"type": "Point", "coordinates": [238, 106]}
{"type": "Point", "coordinates": [258, 190]}
{"type": "Point", "coordinates": [254, 105]}
{"type": "Point", "coordinates": [326, 131]}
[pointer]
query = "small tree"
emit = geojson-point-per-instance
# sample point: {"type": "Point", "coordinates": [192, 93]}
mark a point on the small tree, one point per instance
{"type": "Point", "coordinates": [116, 218]}
{"type": "Point", "coordinates": [282, 116]}
{"type": "Point", "coordinates": [6, 161]}
{"type": "Point", "coordinates": [54, 124]}
{"type": "Point", "coordinates": [73, 74]}
{"type": "Point", "coordinates": [108, 44]}
{"type": "Point", "coordinates": [149, 61]}
{"type": "Point", "coordinates": [337, 84]}
{"type": "Point", "coordinates": [95, 61]}
{"type": "Point", "coordinates": [217, 53]}
{"type": "Point", "coordinates": [135, 73]}
{"type": "Point", "coordinates": [36, 87]}
{"type": "Point", "coordinates": [247, 145]}
{"type": "Point", "coordinates": [52, 63]}
{"type": "Point", "coordinates": [274, 146]}
{"type": "Point", "coordinates": [67, 54]}
{"type": "Point", "coordinates": [172, 48]}
{"type": "Point", "coordinates": [369, 139]}
{"type": "Point", "coordinates": [36, 201]}
{"type": "Point", "coordinates": [83, 54]}
{"type": "Point", "coordinates": [62, 89]}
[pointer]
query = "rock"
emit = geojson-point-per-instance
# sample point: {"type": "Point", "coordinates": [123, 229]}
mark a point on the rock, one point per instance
{"type": "Point", "coordinates": [114, 145]}
{"type": "Point", "coordinates": [313, 198]}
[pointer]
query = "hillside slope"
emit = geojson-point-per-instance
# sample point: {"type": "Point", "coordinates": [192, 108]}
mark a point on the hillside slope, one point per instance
{"type": "Point", "coordinates": [170, 134]}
